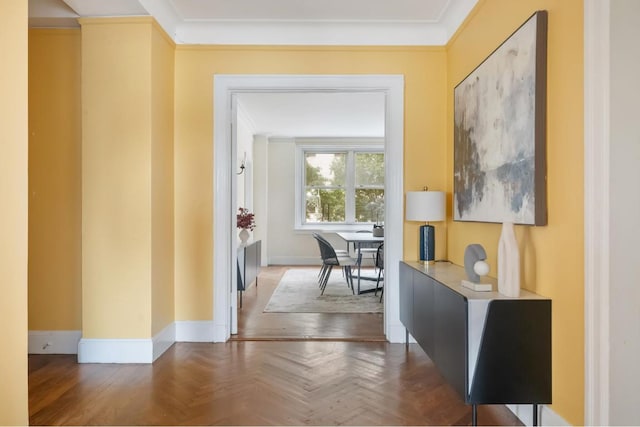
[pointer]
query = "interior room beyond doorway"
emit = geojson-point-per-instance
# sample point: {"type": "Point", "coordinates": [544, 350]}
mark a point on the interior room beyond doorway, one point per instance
{"type": "Point", "coordinates": [255, 324]}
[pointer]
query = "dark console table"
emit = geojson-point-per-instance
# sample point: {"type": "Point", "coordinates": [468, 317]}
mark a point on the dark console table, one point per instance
{"type": "Point", "coordinates": [490, 348]}
{"type": "Point", "coordinates": [249, 259]}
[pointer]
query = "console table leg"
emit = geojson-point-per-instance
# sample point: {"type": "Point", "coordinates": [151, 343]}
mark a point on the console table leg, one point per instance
{"type": "Point", "coordinates": [406, 338]}
{"type": "Point", "coordinates": [474, 415]}
{"type": "Point", "coordinates": [535, 414]}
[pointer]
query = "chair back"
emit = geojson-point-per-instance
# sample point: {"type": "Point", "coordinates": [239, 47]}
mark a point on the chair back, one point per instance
{"type": "Point", "coordinates": [327, 253]}
{"type": "Point", "coordinates": [380, 257]}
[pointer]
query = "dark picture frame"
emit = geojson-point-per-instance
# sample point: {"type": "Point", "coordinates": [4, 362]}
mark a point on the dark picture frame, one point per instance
{"type": "Point", "coordinates": [500, 132]}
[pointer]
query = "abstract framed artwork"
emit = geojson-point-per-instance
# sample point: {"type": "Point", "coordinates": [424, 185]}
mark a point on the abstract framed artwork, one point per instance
{"type": "Point", "coordinates": [500, 132]}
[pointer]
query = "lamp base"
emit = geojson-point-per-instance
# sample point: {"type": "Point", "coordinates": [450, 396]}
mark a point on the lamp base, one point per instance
{"type": "Point", "coordinates": [427, 243]}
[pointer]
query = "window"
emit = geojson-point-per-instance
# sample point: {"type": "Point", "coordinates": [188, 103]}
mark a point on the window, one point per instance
{"type": "Point", "coordinates": [340, 185]}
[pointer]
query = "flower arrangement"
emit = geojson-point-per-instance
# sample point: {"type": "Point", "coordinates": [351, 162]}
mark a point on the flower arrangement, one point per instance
{"type": "Point", "coordinates": [245, 219]}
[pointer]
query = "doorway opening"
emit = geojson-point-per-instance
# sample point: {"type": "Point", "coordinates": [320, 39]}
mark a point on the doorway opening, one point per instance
{"type": "Point", "coordinates": [226, 87]}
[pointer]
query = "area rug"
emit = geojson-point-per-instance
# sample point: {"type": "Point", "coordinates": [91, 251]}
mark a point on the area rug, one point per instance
{"type": "Point", "coordinates": [298, 292]}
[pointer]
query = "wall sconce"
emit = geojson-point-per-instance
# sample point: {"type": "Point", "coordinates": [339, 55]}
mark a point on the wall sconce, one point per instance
{"type": "Point", "coordinates": [426, 206]}
{"type": "Point", "coordinates": [242, 164]}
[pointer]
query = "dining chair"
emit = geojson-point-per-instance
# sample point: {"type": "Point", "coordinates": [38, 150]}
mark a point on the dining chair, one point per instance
{"type": "Point", "coordinates": [323, 267]}
{"type": "Point", "coordinates": [339, 252]}
{"type": "Point", "coordinates": [380, 267]}
{"type": "Point", "coordinates": [367, 248]}
{"type": "Point", "coordinates": [329, 260]}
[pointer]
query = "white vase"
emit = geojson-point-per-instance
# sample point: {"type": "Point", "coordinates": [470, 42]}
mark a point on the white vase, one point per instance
{"type": "Point", "coordinates": [243, 235]}
{"type": "Point", "coordinates": [508, 262]}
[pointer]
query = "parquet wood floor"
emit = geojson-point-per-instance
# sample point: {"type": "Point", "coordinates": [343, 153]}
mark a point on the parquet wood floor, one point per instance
{"type": "Point", "coordinates": [288, 381]}
{"type": "Point", "coordinates": [254, 324]}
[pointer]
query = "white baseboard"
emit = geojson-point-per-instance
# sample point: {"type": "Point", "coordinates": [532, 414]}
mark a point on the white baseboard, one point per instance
{"type": "Point", "coordinates": [123, 350]}
{"type": "Point", "coordinates": [195, 331]}
{"type": "Point", "coordinates": [546, 415]}
{"type": "Point", "coordinates": [220, 333]}
{"type": "Point", "coordinates": [95, 350]}
{"type": "Point", "coordinates": [164, 340]}
{"type": "Point", "coordinates": [54, 342]}
{"type": "Point", "coordinates": [143, 350]}
{"type": "Point", "coordinates": [396, 334]}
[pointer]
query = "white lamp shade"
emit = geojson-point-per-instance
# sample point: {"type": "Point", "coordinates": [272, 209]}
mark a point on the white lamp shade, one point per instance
{"type": "Point", "coordinates": [425, 206]}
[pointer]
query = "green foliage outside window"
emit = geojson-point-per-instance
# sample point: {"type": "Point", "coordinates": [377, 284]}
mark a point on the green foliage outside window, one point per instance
{"type": "Point", "coordinates": [326, 189]}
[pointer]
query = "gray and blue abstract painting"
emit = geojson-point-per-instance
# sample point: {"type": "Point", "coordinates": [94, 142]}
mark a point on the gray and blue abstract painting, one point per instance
{"type": "Point", "coordinates": [494, 135]}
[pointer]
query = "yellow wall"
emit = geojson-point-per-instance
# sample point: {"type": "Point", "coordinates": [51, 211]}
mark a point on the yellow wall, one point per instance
{"type": "Point", "coordinates": [55, 287]}
{"type": "Point", "coordinates": [162, 80]}
{"type": "Point", "coordinates": [552, 256]}
{"type": "Point", "coordinates": [116, 178]}
{"type": "Point", "coordinates": [55, 258]}
{"type": "Point", "coordinates": [424, 70]}
{"type": "Point", "coordinates": [14, 211]}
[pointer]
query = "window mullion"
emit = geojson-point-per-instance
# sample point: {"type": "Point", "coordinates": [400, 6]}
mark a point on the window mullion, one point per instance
{"type": "Point", "coordinates": [350, 176]}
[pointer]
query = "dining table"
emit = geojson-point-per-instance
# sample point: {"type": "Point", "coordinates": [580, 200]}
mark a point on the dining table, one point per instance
{"type": "Point", "coordinates": [358, 239]}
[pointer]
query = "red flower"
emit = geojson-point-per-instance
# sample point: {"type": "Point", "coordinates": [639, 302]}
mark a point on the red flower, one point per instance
{"type": "Point", "coordinates": [245, 219]}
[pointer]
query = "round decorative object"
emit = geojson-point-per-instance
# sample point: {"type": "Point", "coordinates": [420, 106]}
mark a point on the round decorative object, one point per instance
{"type": "Point", "coordinates": [481, 268]}
{"type": "Point", "coordinates": [472, 255]}
{"type": "Point", "coordinates": [244, 235]}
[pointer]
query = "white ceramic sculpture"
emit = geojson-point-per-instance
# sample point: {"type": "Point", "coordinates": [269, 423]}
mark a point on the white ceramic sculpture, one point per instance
{"type": "Point", "coordinates": [508, 262]}
{"type": "Point", "coordinates": [481, 268]}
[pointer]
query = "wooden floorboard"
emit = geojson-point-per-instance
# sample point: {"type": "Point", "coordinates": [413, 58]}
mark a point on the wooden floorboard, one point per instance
{"type": "Point", "coordinates": [324, 371]}
{"type": "Point", "coordinates": [253, 383]}
{"type": "Point", "coordinates": [253, 323]}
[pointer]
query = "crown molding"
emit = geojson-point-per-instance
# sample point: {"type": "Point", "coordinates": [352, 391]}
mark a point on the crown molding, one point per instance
{"type": "Point", "coordinates": [361, 33]}
{"type": "Point", "coordinates": [321, 32]}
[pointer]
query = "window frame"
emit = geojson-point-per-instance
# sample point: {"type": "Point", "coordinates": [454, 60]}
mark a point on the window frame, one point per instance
{"type": "Point", "coordinates": [350, 148]}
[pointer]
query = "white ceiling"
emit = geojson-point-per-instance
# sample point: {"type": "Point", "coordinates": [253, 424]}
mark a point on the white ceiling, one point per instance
{"type": "Point", "coordinates": [419, 10]}
{"type": "Point", "coordinates": [286, 22]}
{"type": "Point", "coordinates": [315, 114]}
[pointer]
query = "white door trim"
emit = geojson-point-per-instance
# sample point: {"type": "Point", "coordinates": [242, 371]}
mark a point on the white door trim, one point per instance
{"type": "Point", "coordinates": [224, 241]}
{"type": "Point", "coordinates": [596, 210]}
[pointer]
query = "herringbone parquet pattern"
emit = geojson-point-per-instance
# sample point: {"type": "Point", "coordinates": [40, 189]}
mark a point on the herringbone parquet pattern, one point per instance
{"type": "Point", "coordinates": [252, 383]}
{"type": "Point", "coordinates": [282, 369]}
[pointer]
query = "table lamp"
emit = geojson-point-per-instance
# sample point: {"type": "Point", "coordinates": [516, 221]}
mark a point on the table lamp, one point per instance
{"type": "Point", "coordinates": [426, 206]}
